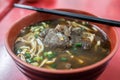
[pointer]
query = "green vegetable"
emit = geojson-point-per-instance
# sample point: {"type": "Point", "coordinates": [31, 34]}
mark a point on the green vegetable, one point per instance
{"type": "Point", "coordinates": [76, 45]}
{"type": "Point", "coordinates": [45, 54]}
{"type": "Point", "coordinates": [44, 24]}
{"type": "Point", "coordinates": [37, 29]}
{"type": "Point", "coordinates": [34, 28]}
{"type": "Point", "coordinates": [49, 54]}
{"type": "Point", "coordinates": [74, 48]}
{"type": "Point", "coordinates": [63, 59]}
{"type": "Point", "coordinates": [27, 55]}
{"type": "Point", "coordinates": [29, 60]}
{"type": "Point", "coordinates": [41, 57]}
{"type": "Point", "coordinates": [35, 64]}
{"type": "Point", "coordinates": [53, 65]}
{"type": "Point", "coordinates": [38, 58]}
{"type": "Point", "coordinates": [36, 35]}
{"type": "Point", "coordinates": [19, 50]}
{"type": "Point", "coordinates": [42, 28]}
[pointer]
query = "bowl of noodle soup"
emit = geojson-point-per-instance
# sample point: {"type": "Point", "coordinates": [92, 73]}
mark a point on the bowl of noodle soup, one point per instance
{"type": "Point", "coordinates": [51, 47]}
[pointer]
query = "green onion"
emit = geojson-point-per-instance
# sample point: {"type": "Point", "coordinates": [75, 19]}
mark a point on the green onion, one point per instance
{"type": "Point", "coordinates": [29, 60]}
{"type": "Point", "coordinates": [41, 58]}
{"type": "Point", "coordinates": [36, 35]}
{"type": "Point", "coordinates": [53, 65]}
{"type": "Point", "coordinates": [43, 23]}
{"type": "Point", "coordinates": [49, 54]}
{"type": "Point", "coordinates": [74, 48]}
{"type": "Point", "coordinates": [76, 45]}
{"type": "Point", "coordinates": [27, 55]}
{"type": "Point", "coordinates": [38, 58]}
{"type": "Point", "coordinates": [34, 28]}
{"type": "Point", "coordinates": [19, 50]}
{"type": "Point", "coordinates": [42, 28]}
{"type": "Point", "coordinates": [35, 64]}
{"type": "Point", "coordinates": [63, 59]}
{"type": "Point", "coordinates": [45, 54]}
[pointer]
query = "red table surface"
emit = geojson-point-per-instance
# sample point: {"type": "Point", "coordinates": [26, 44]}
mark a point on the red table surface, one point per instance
{"type": "Point", "coordinates": [5, 7]}
{"type": "Point", "coordinates": [103, 8]}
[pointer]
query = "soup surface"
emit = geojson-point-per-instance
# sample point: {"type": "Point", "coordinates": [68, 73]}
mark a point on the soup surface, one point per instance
{"type": "Point", "coordinates": [62, 44]}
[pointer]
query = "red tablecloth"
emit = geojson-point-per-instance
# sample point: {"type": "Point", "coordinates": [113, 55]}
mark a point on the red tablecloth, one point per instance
{"type": "Point", "coordinates": [103, 8]}
{"type": "Point", "coordinates": [5, 7]}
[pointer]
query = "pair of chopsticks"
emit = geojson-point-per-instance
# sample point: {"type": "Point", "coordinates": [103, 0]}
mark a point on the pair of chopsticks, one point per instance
{"type": "Point", "coordinates": [71, 15]}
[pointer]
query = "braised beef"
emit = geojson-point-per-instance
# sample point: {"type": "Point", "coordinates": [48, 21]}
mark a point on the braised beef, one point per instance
{"type": "Point", "coordinates": [55, 39]}
{"type": "Point", "coordinates": [65, 36]}
{"type": "Point", "coordinates": [64, 29]}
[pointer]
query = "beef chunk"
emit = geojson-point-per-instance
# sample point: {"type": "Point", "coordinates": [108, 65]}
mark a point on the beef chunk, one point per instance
{"type": "Point", "coordinates": [66, 30]}
{"type": "Point", "coordinates": [55, 39]}
{"type": "Point", "coordinates": [64, 37]}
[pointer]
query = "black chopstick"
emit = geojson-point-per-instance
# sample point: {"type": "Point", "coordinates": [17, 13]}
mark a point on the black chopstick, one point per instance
{"type": "Point", "coordinates": [72, 15]}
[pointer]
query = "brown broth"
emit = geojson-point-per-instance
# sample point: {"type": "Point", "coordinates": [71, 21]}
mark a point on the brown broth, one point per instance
{"type": "Point", "coordinates": [62, 44]}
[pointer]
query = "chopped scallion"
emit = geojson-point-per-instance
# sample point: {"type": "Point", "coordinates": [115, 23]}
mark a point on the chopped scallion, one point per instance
{"type": "Point", "coordinates": [19, 50]}
{"type": "Point", "coordinates": [38, 58]}
{"type": "Point", "coordinates": [53, 65]}
{"type": "Point", "coordinates": [49, 54]}
{"type": "Point", "coordinates": [29, 60]}
{"type": "Point", "coordinates": [63, 59]}
{"type": "Point", "coordinates": [78, 44]}
{"type": "Point", "coordinates": [27, 55]}
{"type": "Point", "coordinates": [36, 35]}
{"type": "Point", "coordinates": [45, 54]}
{"type": "Point", "coordinates": [35, 64]}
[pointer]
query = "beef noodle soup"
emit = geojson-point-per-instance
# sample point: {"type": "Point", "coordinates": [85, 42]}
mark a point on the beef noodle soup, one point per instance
{"type": "Point", "coordinates": [62, 44]}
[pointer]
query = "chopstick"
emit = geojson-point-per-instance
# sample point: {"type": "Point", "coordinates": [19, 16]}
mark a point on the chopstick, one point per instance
{"type": "Point", "coordinates": [71, 15]}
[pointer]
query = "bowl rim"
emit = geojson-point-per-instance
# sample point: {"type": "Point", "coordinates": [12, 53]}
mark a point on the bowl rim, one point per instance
{"type": "Point", "coordinates": [78, 70]}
